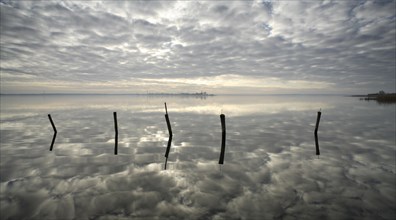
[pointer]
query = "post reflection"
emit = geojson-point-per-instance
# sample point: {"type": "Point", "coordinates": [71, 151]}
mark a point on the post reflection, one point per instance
{"type": "Point", "coordinates": [167, 151]}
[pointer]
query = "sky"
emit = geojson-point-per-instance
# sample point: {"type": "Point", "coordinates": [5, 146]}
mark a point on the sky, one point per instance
{"type": "Point", "coordinates": [221, 47]}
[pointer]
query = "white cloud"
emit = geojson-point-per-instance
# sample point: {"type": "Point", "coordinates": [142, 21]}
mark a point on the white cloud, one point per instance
{"type": "Point", "coordinates": [322, 41]}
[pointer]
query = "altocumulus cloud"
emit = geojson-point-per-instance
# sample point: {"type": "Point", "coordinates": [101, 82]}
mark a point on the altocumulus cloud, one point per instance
{"type": "Point", "coordinates": [131, 46]}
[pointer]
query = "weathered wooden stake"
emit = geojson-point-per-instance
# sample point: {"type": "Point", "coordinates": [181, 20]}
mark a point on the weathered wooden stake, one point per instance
{"type": "Point", "coordinates": [316, 133]}
{"type": "Point", "coordinates": [170, 135]}
{"type": "Point", "coordinates": [167, 121]}
{"type": "Point", "coordinates": [223, 138]}
{"type": "Point", "coordinates": [169, 130]}
{"type": "Point", "coordinates": [317, 144]}
{"type": "Point", "coordinates": [168, 147]}
{"type": "Point", "coordinates": [116, 133]}
{"type": "Point", "coordinates": [55, 132]}
{"type": "Point", "coordinates": [166, 162]}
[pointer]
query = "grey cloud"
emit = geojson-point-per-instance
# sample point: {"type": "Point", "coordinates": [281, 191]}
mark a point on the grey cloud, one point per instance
{"type": "Point", "coordinates": [101, 41]}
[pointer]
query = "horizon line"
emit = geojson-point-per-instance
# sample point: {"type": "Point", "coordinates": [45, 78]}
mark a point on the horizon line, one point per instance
{"type": "Point", "coordinates": [183, 94]}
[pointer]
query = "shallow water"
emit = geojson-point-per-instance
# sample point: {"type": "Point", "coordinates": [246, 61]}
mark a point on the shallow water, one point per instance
{"type": "Point", "coordinates": [270, 169]}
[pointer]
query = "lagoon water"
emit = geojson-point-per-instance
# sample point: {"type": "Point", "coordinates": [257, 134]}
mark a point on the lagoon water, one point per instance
{"type": "Point", "coordinates": [270, 168]}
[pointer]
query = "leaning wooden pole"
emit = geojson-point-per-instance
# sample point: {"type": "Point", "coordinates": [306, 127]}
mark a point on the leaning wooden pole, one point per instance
{"type": "Point", "coordinates": [316, 133]}
{"type": "Point", "coordinates": [169, 130]}
{"type": "Point", "coordinates": [55, 132]}
{"type": "Point", "coordinates": [166, 162]}
{"type": "Point", "coordinates": [116, 133]}
{"type": "Point", "coordinates": [223, 138]}
{"type": "Point", "coordinates": [167, 121]}
{"type": "Point", "coordinates": [168, 147]}
{"type": "Point", "coordinates": [167, 151]}
{"type": "Point", "coordinates": [317, 144]}
{"type": "Point", "coordinates": [170, 135]}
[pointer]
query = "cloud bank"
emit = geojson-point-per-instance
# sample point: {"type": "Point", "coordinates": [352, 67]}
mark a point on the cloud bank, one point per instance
{"type": "Point", "coordinates": [79, 46]}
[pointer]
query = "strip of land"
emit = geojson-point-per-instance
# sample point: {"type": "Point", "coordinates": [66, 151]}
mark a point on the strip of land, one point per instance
{"type": "Point", "coordinates": [379, 97]}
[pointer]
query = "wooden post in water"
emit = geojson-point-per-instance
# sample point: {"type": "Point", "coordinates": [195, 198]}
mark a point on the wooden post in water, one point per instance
{"type": "Point", "coordinates": [168, 147]}
{"type": "Point", "coordinates": [116, 133]}
{"type": "Point", "coordinates": [167, 121]}
{"type": "Point", "coordinates": [316, 133]}
{"type": "Point", "coordinates": [223, 138]}
{"type": "Point", "coordinates": [167, 151]}
{"type": "Point", "coordinates": [317, 144]}
{"type": "Point", "coordinates": [55, 132]}
{"type": "Point", "coordinates": [166, 162]}
{"type": "Point", "coordinates": [170, 135]}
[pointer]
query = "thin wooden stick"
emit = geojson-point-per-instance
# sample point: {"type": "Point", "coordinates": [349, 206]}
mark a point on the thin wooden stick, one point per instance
{"type": "Point", "coordinates": [170, 135]}
{"type": "Point", "coordinates": [168, 147]}
{"type": "Point", "coordinates": [316, 133]}
{"type": "Point", "coordinates": [169, 125]}
{"type": "Point", "coordinates": [223, 138]}
{"type": "Point", "coordinates": [116, 133]}
{"type": "Point", "coordinates": [166, 162]}
{"type": "Point", "coordinates": [55, 132]}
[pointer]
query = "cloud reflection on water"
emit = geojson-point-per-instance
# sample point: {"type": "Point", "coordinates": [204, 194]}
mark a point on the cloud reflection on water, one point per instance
{"type": "Point", "coordinates": [270, 169]}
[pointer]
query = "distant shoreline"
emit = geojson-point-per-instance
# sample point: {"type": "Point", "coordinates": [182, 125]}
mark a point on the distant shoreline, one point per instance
{"type": "Point", "coordinates": [109, 94]}
{"type": "Point", "coordinates": [181, 94]}
{"type": "Point", "coordinates": [379, 97]}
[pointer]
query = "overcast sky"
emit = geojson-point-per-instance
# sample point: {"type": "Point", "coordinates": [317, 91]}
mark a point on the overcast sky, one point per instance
{"type": "Point", "coordinates": [220, 47]}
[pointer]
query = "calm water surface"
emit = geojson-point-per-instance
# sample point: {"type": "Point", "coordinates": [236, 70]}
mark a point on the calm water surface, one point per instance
{"type": "Point", "coordinates": [270, 170]}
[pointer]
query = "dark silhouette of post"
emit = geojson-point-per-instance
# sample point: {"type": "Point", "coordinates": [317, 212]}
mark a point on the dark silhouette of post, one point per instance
{"type": "Point", "coordinates": [166, 162]}
{"type": "Point", "coordinates": [167, 121]}
{"type": "Point", "coordinates": [116, 133]}
{"type": "Point", "coordinates": [170, 135]}
{"type": "Point", "coordinates": [167, 151]}
{"type": "Point", "coordinates": [168, 147]}
{"type": "Point", "coordinates": [55, 132]}
{"type": "Point", "coordinates": [317, 144]}
{"type": "Point", "coordinates": [223, 138]}
{"type": "Point", "coordinates": [316, 133]}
